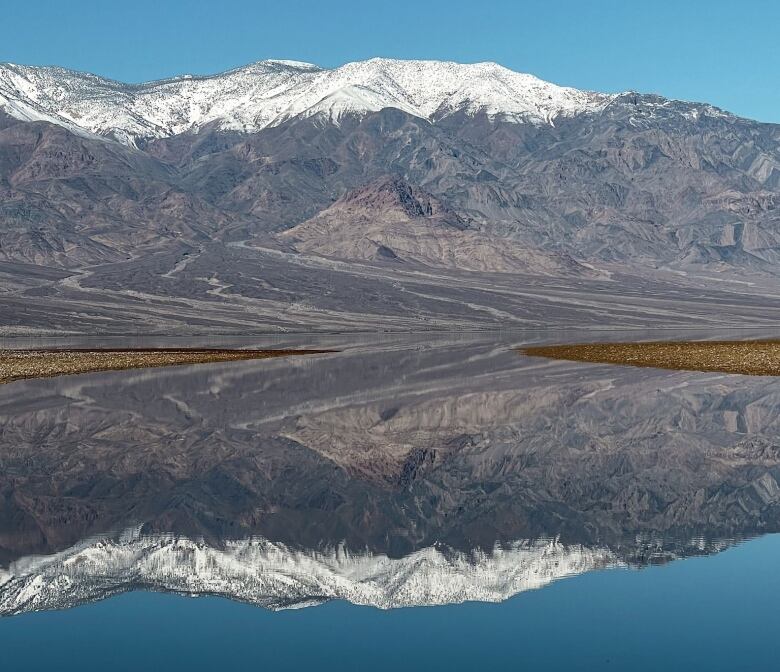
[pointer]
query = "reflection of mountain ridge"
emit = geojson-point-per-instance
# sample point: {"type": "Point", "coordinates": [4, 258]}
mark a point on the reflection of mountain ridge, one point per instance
{"type": "Point", "coordinates": [386, 452]}
{"type": "Point", "coordinates": [276, 576]}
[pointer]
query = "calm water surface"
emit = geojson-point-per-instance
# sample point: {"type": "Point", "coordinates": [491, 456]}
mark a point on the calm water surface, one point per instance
{"type": "Point", "coordinates": [409, 502]}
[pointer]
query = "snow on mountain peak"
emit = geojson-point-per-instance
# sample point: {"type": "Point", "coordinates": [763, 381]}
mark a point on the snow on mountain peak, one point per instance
{"type": "Point", "coordinates": [275, 576]}
{"type": "Point", "coordinates": [269, 92]}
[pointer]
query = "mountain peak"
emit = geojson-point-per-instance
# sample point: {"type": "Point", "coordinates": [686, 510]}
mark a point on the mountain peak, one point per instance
{"type": "Point", "coordinates": [393, 191]}
{"type": "Point", "coordinates": [269, 92]}
{"type": "Point", "coordinates": [301, 65]}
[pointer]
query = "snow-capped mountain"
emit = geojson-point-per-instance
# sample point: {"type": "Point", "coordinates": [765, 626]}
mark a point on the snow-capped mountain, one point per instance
{"type": "Point", "coordinates": [269, 92]}
{"type": "Point", "coordinates": [275, 576]}
{"type": "Point", "coordinates": [579, 186]}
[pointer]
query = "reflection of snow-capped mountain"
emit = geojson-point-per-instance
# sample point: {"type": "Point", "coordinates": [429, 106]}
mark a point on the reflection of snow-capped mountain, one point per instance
{"type": "Point", "coordinates": [266, 93]}
{"type": "Point", "coordinates": [275, 576]}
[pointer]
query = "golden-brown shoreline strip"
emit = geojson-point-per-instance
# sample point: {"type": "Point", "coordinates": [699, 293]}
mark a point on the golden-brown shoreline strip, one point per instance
{"type": "Point", "coordinates": [47, 363]}
{"type": "Point", "coordinates": [754, 358]}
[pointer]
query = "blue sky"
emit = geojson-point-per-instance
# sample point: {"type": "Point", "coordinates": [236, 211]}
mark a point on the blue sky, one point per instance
{"type": "Point", "coordinates": [724, 52]}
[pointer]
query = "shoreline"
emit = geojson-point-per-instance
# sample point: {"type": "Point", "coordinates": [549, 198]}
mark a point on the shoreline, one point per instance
{"type": "Point", "coordinates": [751, 358]}
{"type": "Point", "coordinates": [52, 362]}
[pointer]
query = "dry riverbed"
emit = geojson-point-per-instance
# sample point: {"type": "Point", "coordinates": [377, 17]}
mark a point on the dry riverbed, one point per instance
{"type": "Point", "coordinates": [19, 364]}
{"type": "Point", "coordinates": [755, 358]}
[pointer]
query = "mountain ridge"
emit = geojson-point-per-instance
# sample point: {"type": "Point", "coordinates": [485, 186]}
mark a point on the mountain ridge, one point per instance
{"type": "Point", "coordinates": [269, 92]}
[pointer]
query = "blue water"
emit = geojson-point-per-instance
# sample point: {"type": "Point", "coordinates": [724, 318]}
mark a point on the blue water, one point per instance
{"type": "Point", "coordinates": [715, 613]}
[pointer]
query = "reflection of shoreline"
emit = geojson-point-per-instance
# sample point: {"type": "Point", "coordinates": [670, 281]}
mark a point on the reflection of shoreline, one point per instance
{"type": "Point", "coordinates": [276, 576]}
{"type": "Point", "coordinates": [753, 358]}
{"type": "Point", "coordinates": [25, 364]}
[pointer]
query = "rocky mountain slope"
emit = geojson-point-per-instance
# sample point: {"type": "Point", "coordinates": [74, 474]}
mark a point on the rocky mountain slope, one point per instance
{"type": "Point", "coordinates": [174, 193]}
{"type": "Point", "coordinates": [389, 219]}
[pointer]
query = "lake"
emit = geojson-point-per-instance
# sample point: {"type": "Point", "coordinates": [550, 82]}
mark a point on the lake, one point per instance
{"type": "Point", "coordinates": [409, 501]}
